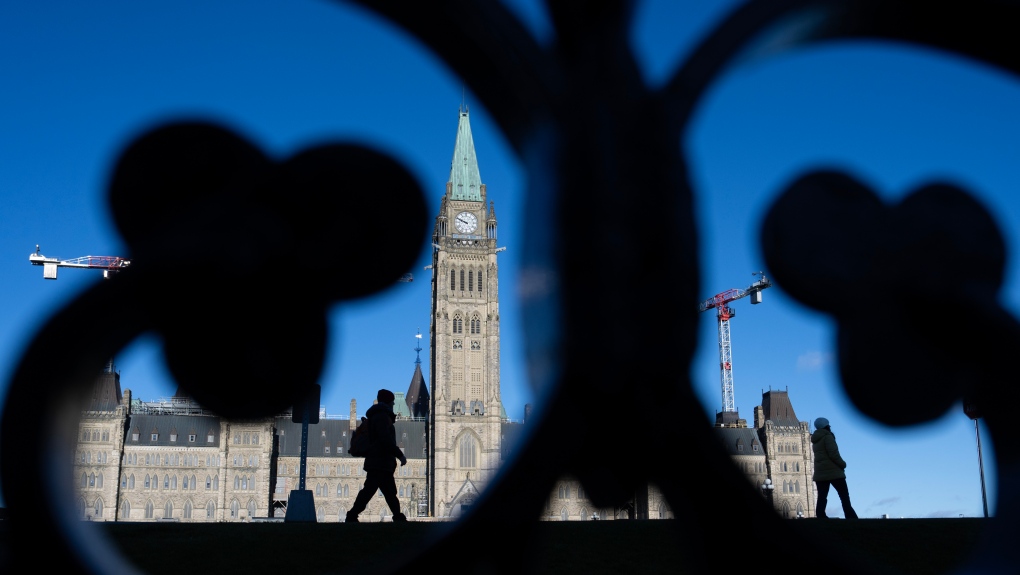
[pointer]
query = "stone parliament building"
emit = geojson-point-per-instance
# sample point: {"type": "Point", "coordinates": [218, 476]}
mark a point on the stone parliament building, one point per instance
{"type": "Point", "coordinates": [174, 461]}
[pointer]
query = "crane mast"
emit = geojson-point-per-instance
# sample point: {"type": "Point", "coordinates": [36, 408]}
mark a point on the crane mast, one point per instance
{"type": "Point", "coordinates": [724, 313]}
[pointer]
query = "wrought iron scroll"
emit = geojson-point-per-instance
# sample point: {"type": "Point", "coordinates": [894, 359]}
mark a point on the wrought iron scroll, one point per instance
{"type": "Point", "coordinates": [590, 134]}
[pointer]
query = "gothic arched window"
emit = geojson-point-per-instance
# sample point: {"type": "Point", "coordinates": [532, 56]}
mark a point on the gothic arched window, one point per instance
{"type": "Point", "coordinates": [461, 280]}
{"type": "Point", "coordinates": [468, 447]}
{"type": "Point", "coordinates": [453, 280]}
{"type": "Point", "coordinates": [168, 510]}
{"type": "Point", "coordinates": [458, 324]}
{"type": "Point", "coordinates": [471, 280]}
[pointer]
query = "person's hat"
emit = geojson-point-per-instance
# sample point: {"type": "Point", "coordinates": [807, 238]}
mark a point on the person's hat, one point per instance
{"type": "Point", "coordinates": [821, 423]}
{"type": "Point", "coordinates": [385, 396]}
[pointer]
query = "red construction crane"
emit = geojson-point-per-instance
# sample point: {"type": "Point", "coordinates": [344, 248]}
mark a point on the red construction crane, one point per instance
{"type": "Point", "coordinates": [724, 313]}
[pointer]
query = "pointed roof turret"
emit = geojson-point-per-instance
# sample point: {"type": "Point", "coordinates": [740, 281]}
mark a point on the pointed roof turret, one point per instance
{"type": "Point", "coordinates": [417, 398]}
{"type": "Point", "coordinates": [465, 181]}
{"type": "Point", "coordinates": [106, 393]}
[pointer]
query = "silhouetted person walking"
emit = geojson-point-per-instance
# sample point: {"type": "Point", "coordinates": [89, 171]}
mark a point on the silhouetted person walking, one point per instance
{"type": "Point", "coordinates": [829, 468]}
{"type": "Point", "coordinates": [381, 461]}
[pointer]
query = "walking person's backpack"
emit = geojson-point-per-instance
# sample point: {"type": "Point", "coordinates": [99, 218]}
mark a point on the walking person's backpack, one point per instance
{"type": "Point", "coordinates": [361, 440]}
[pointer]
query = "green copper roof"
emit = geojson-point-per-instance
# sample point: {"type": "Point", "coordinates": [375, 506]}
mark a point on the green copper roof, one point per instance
{"type": "Point", "coordinates": [464, 177]}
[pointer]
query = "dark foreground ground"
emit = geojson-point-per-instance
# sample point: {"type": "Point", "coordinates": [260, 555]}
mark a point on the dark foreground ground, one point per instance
{"type": "Point", "coordinates": [908, 546]}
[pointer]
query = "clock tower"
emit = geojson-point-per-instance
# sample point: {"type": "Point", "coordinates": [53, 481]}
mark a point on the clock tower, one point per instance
{"type": "Point", "coordinates": [466, 412]}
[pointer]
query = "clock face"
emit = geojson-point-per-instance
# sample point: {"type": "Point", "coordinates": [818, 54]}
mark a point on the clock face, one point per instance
{"type": "Point", "coordinates": [466, 222]}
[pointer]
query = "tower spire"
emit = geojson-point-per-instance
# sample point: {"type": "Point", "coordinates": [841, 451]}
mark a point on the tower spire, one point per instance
{"type": "Point", "coordinates": [417, 398]}
{"type": "Point", "coordinates": [465, 181]}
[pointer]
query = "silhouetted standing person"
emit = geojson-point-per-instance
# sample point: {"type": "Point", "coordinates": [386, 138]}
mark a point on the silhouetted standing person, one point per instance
{"type": "Point", "coordinates": [381, 461]}
{"type": "Point", "coordinates": [829, 468]}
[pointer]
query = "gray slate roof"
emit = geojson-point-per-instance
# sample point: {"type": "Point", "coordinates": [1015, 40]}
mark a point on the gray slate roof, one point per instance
{"type": "Point", "coordinates": [733, 437]}
{"type": "Point", "coordinates": [777, 407]}
{"type": "Point", "coordinates": [105, 392]}
{"type": "Point", "coordinates": [164, 425]}
{"type": "Point", "coordinates": [336, 433]}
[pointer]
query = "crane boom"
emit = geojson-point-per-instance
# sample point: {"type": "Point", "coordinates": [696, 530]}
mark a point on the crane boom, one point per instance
{"type": "Point", "coordinates": [109, 264]}
{"type": "Point", "coordinates": [723, 314]}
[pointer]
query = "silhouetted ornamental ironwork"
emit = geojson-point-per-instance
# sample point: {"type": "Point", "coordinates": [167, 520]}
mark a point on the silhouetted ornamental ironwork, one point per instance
{"type": "Point", "coordinates": [589, 131]}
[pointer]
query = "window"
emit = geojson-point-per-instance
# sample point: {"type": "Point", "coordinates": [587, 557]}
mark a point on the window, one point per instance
{"type": "Point", "coordinates": [476, 325]}
{"type": "Point", "coordinates": [461, 280]}
{"type": "Point", "coordinates": [148, 509]}
{"type": "Point", "coordinates": [458, 324]}
{"type": "Point", "coordinates": [154, 436]}
{"type": "Point", "coordinates": [326, 450]}
{"type": "Point", "coordinates": [173, 437]}
{"type": "Point", "coordinates": [134, 436]}
{"type": "Point", "coordinates": [166, 482]}
{"type": "Point", "coordinates": [208, 483]}
{"type": "Point", "coordinates": [235, 508]}
{"type": "Point", "coordinates": [210, 510]}
{"type": "Point", "coordinates": [476, 345]}
{"type": "Point", "coordinates": [210, 438]}
{"type": "Point", "coordinates": [125, 510]}
{"type": "Point", "coordinates": [146, 484]}
{"type": "Point", "coordinates": [467, 451]}
{"type": "Point", "coordinates": [471, 280]}
{"type": "Point", "coordinates": [458, 344]}
{"type": "Point", "coordinates": [453, 280]}
{"type": "Point", "coordinates": [187, 509]}
{"type": "Point", "coordinates": [191, 438]}
{"type": "Point", "coordinates": [168, 510]}
{"type": "Point", "coordinates": [237, 439]}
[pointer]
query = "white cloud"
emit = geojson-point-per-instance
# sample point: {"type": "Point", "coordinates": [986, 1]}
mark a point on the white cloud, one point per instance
{"type": "Point", "coordinates": [813, 360]}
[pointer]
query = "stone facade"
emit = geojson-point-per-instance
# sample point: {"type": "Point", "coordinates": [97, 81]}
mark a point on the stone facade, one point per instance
{"type": "Point", "coordinates": [466, 410]}
{"type": "Point", "coordinates": [170, 460]}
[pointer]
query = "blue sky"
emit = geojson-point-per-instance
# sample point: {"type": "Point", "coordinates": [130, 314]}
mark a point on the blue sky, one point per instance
{"type": "Point", "coordinates": [80, 81]}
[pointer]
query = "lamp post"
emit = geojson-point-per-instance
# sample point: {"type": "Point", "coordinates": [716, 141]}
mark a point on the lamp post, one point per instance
{"type": "Point", "coordinates": [974, 412]}
{"type": "Point", "coordinates": [767, 489]}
